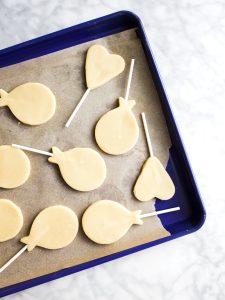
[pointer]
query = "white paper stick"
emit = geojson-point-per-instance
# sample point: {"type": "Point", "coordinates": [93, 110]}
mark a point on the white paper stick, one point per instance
{"type": "Point", "coordinates": [32, 149]}
{"type": "Point", "coordinates": [147, 134]}
{"type": "Point", "coordinates": [77, 108]}
{"type": "Point", "coordinates": [159, 212]}
{"type": "Point", "coordinates": [13, 258]}
{"type": "Point", "coordinates": [129, 79]}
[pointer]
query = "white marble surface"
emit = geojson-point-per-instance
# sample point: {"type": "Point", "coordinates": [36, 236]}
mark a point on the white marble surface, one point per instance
{"type": "Point", "coordinates": [188, 41]}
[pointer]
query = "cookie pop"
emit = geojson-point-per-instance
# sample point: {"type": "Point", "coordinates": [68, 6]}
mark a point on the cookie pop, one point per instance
{"type": "Point", "coordinates": [83, 169]}
{"type": "Point", "coordinates": [54, 228]}
{"type": "Point", "coordinates": [107, 221]}
{"type": "Point", "coordinates": [100, 67]}
{"type": "Point", "coordinates": [31, 103]}
{"type": "Point", "coordinates": [153, 180]}
{"type": "Point", "coordinates": [117, 131]}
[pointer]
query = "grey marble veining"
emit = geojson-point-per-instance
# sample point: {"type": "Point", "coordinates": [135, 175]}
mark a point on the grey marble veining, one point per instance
{"type": "Point", "coordinates": [187, 38]}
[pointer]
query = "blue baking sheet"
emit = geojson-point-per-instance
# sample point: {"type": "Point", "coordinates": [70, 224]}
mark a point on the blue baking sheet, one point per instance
{"type": "Point", "coordinates": [192, 214]}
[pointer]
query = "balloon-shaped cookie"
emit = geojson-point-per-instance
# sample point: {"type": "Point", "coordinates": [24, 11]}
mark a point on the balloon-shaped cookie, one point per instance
{"type": "Point", "coordinates": [82, 168]}
{"type": "Point", "coordinates": [14, 167]}
{"type": "Point", "coordinates": [117, 131]}
{"type": "Point", "coordinates": [54, 227]}
{"type": "Point", "coordinates": [31, 103]}
{"type": "Point", "coordinates": [153, 181]}
{"type": "Point", "coordinates": [100, 67]}
{"type": "Point", "coordinates": [11, 220]}
{"type": "Point", "coordinates": [106, 221]}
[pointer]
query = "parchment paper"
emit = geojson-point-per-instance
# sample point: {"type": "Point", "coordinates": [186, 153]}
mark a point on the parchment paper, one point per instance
{"type": "Point", "coordinates": [63, 73]}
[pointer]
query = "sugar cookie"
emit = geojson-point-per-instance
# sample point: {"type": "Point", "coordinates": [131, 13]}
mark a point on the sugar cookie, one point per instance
{"type": "Point", "coordinates": [117, 131]}
{"type": "Point", "coordinates": [101, 66]}
{"type": "Point", "coordinates": [153, 181]}
{"type": "Point", "coordinates": [11, 220]}
{"type": "Point", "coordinates": [82, 168]}
{"type": "Point", "coordinates": [14, 167]}
{"type": "Point", "coordinates": [106, 221]}
{"type": "Point", "coordinates": [31, 103]}
{"type": "Point", "coordinates": [54, 227]}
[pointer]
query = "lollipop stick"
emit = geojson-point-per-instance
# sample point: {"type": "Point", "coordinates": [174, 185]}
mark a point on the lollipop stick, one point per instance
{"type": "Point", "coordinates": [32, 149]}
{"type": "Point", "coordinates": [77, 108]}
{"type": "Point", "coordinates": [159, 212]}
{"type": "Point", "coordinates": [13, 258]}
{"type": "Point", "coordinates": [129, 79]}
{"type": "Point", "coordinates": [147, 134]}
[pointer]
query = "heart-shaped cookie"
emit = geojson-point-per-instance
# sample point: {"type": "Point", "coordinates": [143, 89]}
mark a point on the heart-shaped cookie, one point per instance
{"type": "Point", "coordinates": [153, 182]}
{"type": "Point", "coordinates": [101, 66]}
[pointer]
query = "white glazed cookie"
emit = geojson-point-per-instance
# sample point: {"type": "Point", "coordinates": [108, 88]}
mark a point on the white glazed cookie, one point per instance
{"type": "Point", "coordinates": [14, 167]}
{"type": "Point", "coordinates": [54, 227]}
{"type": "Point", "coordinates": [106, 221]}
{"type": "Point", "coordinates": [117, 131]}
{"type": "Point", "coordinates": [31, 103]}
{"type": "Point", "coordinates": [83, 169]}
{"type": "Point", "coordinates": [11, 220]}
{"type": "Point", "coordinates": [101, 66]}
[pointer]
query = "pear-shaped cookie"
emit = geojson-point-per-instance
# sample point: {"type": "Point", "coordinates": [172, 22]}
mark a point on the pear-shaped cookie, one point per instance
{"type": "Point", "coordinates": [54, 227]}
{"type": "Point", "coordinates": [153, 181]}
{"type": "Point", "coordinates": [106, 221]}
{"type": "Point", "coordinates": [14, 167]}
{"type": "Point", "coordinates": [11, 220]}
{"type": "Point", "coordinates": [82, 168]}
{"type": "Point", "coordinates": [31, 103]}
{"type": "Point", "coordinates": [117, 131]}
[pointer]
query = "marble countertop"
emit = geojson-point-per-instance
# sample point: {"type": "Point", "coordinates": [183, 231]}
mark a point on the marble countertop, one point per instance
{"type": "Point", "coordinates": [187, 38]}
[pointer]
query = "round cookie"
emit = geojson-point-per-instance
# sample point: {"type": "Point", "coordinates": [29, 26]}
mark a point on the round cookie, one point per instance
{"type": "Point", "coordinates": [11, 220]}
{"type": "Point", "coordinates": [14, 167]}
